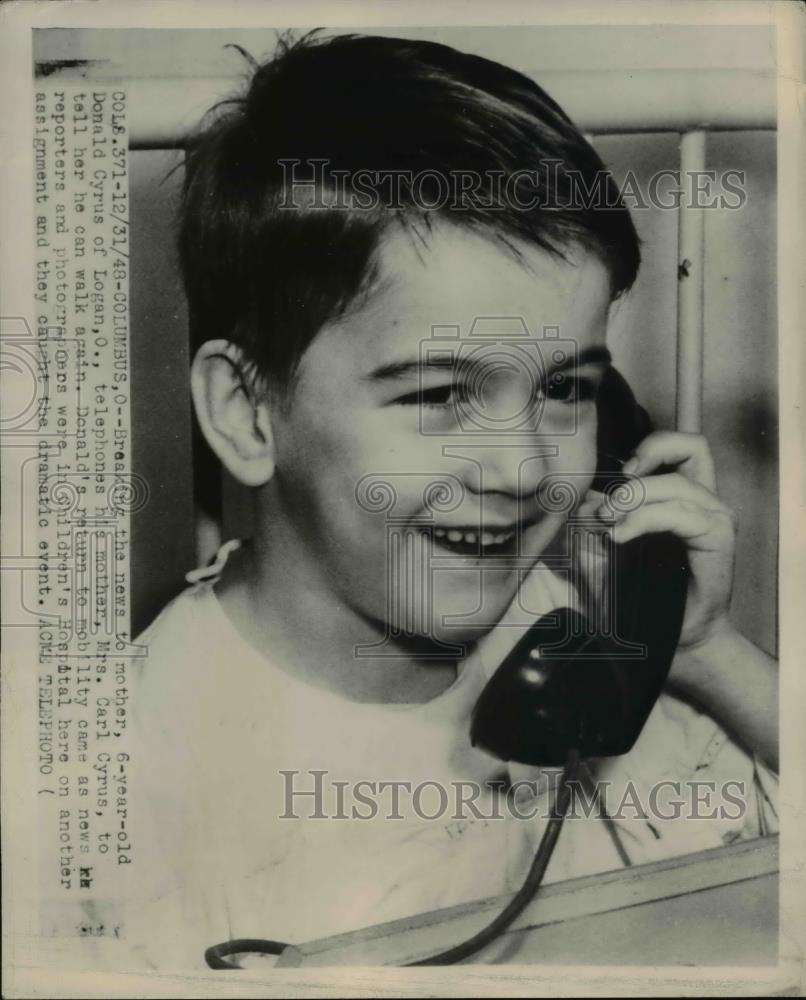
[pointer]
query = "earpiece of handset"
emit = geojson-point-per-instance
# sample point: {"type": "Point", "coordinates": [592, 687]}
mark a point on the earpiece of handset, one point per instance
{"type": "Point", "coordinates": [563, 687]}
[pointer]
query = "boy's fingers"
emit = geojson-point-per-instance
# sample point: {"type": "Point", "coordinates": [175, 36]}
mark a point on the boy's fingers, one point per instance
{"type": "Point", "coordinates": [590, 502]}
{"type": "Point", "coordinates": [707, 530]}
{"type": "Point", "coordinates": [690, 452]}
{"type": "Point", "coordinates": [673, 486]}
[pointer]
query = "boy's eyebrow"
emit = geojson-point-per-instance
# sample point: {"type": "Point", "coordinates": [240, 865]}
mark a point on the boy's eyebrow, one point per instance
{"type": "Point", "coordinates": [400, 369]}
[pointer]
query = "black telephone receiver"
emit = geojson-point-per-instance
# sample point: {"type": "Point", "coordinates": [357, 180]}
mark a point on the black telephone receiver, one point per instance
{"type": "Point", "coordinates": [563, 690]}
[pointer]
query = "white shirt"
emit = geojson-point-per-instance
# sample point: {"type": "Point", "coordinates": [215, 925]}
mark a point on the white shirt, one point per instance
{"type": "Point", "coordinates": [216, 723]}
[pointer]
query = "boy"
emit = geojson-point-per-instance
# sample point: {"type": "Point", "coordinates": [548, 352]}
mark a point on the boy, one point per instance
{"type": "Point", "coordinates": [366, 196]}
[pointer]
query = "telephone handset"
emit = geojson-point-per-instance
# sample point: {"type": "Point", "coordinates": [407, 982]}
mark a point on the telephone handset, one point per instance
{"type": "Point", "coordinates": [563, 689]}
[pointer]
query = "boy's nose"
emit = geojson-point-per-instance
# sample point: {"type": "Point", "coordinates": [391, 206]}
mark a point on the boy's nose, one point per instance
{"type": "Point", "coordinates": [515, 468]}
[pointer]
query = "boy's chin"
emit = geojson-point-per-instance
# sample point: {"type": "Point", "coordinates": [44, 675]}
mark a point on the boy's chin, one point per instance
{"type": "Point", "coordinates": [465, 630]}
{"type": "Point", "coordinates": [460, 619]}
{"type": "Point", "coordinates": [439, 641]}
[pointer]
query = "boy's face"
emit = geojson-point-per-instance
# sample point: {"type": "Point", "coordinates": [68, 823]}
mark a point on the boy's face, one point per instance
{"type": "Point", "coordinates": [373, 400]}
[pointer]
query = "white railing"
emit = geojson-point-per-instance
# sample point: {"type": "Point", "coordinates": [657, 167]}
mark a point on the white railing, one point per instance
{"type": "Point", "coordinates": [164, 109]}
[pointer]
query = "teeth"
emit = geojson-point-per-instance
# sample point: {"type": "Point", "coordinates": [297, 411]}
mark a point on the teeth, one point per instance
{"type": "Point", "coordinates": [472, 537]}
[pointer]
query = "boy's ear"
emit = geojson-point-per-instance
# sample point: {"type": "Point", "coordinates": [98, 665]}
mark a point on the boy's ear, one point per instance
{"type": "Point", "coordinates": [234, 419]}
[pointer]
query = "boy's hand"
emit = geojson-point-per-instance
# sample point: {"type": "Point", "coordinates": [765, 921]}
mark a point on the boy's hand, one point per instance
{"type": "Point", "coordinates": [685, 502]}
{"type": "Point", "coordinates": [731, 678]}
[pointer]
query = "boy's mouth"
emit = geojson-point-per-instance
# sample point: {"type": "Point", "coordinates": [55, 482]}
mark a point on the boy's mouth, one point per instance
{"type": "Point", "coordinates": [471, 541]}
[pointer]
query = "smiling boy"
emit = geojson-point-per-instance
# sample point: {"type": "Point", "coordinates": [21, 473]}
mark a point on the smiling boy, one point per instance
{"type": "Point", "coordinates": [317, 646]}
{"type": "Point", "coordinates": [360, 404]}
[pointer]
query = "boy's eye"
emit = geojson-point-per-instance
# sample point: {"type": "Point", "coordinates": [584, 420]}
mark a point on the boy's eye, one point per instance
{"type": "Point", "coordinates": [439, 395]}
{"type": "Point", "coordinates": [563, 388]}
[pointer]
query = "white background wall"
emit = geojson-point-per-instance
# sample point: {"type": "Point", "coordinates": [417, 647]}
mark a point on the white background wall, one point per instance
{"type": "Point", "coordinates": [740, 399]}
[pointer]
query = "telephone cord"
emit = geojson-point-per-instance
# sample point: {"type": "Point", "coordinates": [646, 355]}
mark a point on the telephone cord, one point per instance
{"type": "Point", "coordinates": [216, 956]}
{"type": "Point", "coordinates": [531, 883]}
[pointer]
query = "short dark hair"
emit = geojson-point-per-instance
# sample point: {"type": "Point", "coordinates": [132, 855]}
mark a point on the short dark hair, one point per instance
{"type": "Point", "coordinates": [268, 278]}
